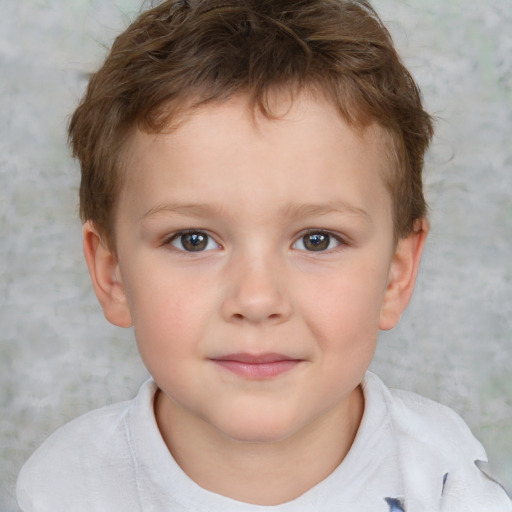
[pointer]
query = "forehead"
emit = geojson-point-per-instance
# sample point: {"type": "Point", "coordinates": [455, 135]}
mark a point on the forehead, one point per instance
{"type": "Point", "coordinates": [227, 149]}
{"type": "Point", "coordinates": [308, 107]}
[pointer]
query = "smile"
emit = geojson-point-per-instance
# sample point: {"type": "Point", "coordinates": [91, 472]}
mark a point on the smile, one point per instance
{"type": "Point", "coordinates": [262, 366]}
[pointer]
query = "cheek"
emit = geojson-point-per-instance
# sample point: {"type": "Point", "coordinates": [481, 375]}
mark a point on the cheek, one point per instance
{"type": "Point", "coordinates": [168, 330]}
{"type": "Point", "coordinates": [343, 310]}
{"type": "Point", "coordinates": [169, 312]}
{"type": "Point", "coordinates": [342, 318]}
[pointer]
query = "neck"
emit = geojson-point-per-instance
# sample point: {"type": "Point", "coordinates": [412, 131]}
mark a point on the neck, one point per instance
{"type": "Point", "coordinates": [267, 473]}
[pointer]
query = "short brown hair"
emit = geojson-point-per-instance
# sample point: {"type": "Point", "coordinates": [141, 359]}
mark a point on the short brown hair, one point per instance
{"type": "Point", "coordinates": [208, 50]}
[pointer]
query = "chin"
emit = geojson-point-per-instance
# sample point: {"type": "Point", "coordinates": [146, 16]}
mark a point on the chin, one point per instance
{"type": "Point", "coordinates": [258, 430]}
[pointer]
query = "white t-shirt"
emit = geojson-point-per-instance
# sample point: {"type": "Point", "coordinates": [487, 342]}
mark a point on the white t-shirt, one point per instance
{"type": "Point", "coordinates": [409, 455]}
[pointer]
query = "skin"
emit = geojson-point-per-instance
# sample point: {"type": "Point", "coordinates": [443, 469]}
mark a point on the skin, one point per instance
{"type": "Point", "coordinates": [258, 191]}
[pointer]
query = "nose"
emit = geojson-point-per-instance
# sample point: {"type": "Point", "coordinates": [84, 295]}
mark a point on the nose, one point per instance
{"type": "Point", "coordinates": [256, 293]}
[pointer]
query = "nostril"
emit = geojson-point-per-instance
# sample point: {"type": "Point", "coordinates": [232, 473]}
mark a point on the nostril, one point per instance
{"type": "Point", "coordinates": [239, 317]}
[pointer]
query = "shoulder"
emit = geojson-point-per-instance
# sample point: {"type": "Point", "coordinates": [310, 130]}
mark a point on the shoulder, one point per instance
{"type": "Point", "coordinates": [91, 452]}
{"type": "Point", "coordinates": [433, 424]}
{"type": "Point", "coordinates": [416, 419]}
{"type": "Point", "coordinates": [437, 452]}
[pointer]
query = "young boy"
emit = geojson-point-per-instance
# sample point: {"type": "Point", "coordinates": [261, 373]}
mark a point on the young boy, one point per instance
{"type": "Point", "coordinates": [252, 203]}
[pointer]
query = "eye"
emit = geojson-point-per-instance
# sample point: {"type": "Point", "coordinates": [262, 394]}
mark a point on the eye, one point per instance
{"type": "Point", "coordinates": [317, 241]}
{"type": "Point", "coordinates": [193, 241]}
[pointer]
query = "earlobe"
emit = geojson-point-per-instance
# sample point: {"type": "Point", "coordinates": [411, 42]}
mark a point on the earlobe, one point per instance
{"type": "Point", "coordinates": [106, 277]}
{"type": "Point", "coordinates": [402, 275]}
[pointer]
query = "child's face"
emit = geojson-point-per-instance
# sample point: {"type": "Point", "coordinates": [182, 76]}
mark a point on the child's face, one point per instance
{"type": "Point", "coordinates": [257, 263]}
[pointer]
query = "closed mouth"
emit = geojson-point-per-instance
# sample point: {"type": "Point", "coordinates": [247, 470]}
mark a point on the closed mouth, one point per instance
{"type": "Point", "coordinates": [255, 358]}
{"type": "Point", "coordinates": [257, 366]}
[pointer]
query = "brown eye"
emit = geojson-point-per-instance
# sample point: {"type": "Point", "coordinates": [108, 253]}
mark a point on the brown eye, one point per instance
{"type": "Point", "coordinates": [316, 241]}
{"type": "Point", "coordinates": [193, 241]}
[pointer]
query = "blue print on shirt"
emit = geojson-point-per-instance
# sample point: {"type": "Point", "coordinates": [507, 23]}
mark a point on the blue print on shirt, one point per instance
{"type": "Point", "coordinates": [395, 505]}
{"type": "Point", "coordinates": [445, 477]}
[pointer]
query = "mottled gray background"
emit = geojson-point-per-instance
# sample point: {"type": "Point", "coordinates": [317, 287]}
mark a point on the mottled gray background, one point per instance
{"type": "Point", "coordinates": [59, 357]}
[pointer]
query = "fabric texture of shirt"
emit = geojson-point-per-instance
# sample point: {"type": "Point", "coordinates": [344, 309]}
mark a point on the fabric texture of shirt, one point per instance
{"type": "Point", "coordinates": [409, 455]}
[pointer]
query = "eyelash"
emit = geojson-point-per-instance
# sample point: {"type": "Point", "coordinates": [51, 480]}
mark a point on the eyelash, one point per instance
{"type": "Point", "coordinates": [322, 232]}
{"type": "Point", "coordinates": [180, 234]}
{"type": "Point", "coordinates": [315, 231]}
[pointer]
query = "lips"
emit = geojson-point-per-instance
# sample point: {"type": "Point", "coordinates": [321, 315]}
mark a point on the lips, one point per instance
{"type": "Point", "coordinates": [257, 366]}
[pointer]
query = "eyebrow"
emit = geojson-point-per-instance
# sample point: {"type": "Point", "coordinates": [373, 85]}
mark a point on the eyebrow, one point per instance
{"type": "Point", "coordinates": [331, 207]}
{"type": "Point", "coordinates": [291, 210]}
{"type": "Point", "coordinates": [194, 209]}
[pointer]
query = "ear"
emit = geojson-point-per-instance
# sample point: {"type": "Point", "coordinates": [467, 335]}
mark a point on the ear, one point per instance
{"type": "Point", "coordinates": [402, 275]}
{"type": "Point", "coordinates": [106, 277]}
